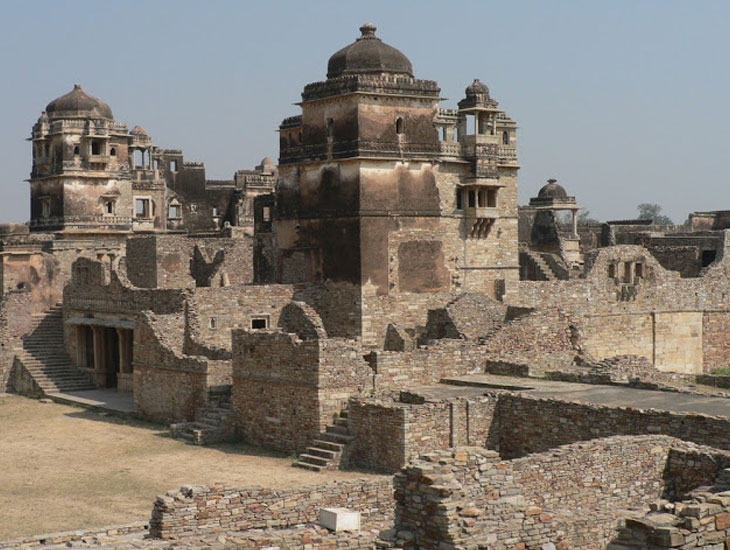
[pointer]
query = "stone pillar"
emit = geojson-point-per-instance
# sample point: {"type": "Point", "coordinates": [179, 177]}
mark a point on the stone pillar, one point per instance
{"type": "Point", "coordinates": [124, 376]}
{"type": "Point", "coordinates": [575, 222]}
{"type": "Point", "coordinates": [99, 356]}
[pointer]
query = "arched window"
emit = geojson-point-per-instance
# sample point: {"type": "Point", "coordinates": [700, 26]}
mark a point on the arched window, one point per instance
{"type": "Point", "coordinates": [505, 137]}
{"type": "Point", "coordinates": [76, 151]}
{"type": "Point", "coordinates": [399, 126]}
{"type": "Point", "coordinates": [113, 152]}
{"type": "Point", "coordinates": [330, 128]}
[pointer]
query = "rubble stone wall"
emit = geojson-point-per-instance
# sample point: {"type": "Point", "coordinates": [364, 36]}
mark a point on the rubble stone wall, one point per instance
{"type": "Point", "coordinates": [426, 365]}
{"type": "Point", "coordinates": [467, 495]}
{"type": "Point", "coordinates": [200, 510]}
{"type": "Point", "coordinates": [181, 261]}
{"type": "Point", "coordinates": [715, 341]}
{"type": "Point", "coordinates": [286, 390]}
{"type": "Point", "coordinates": [168, 385]}
{"type": "Point", "coordinates": [648, 310]}
{"type": "Point", "coordinates": [15, 321]}
{"type": "Point", "coordinates": [389, 433]}
{"type": "Point", "coordinates": [532, 425]}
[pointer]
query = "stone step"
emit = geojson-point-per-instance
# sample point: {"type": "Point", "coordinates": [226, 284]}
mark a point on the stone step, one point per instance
{"type": "Point", "coordinates": [341, 422]}
{"type": "Point", "coordinates": [336, 437]}
{"type": "Point", "coordinates": [308, 466]}
{"type": "Point", "coordinates": [328, 445]}
{"type": "Point", "coordinates": [322, 453]}
{"type": "Point", "coordinates": [337, 429]}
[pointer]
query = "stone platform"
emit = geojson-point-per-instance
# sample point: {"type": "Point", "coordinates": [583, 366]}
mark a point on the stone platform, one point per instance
{"type": "Point", "coordinates": [611, 396]}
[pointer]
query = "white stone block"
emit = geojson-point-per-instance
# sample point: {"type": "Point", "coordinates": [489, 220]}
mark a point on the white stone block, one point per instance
{"type": "Point", "coordinates": [339, 519]}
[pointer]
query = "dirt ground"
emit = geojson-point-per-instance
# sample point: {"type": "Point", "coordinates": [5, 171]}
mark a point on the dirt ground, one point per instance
{"type": "Point", "coordinates": [64, 468]}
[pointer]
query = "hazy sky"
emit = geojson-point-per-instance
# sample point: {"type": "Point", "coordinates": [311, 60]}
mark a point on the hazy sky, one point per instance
{"type": "Point", "coordinates": [623, 102]}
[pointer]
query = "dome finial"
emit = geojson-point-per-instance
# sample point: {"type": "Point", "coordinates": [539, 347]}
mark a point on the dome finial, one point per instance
{"type": "Point", "coordinates": [368, 30]}
{"type": "Point", "coordinates": [552, 180]}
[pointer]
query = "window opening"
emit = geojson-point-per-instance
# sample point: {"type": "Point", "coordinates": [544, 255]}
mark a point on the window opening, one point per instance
{"type": "Point", "coordinates": [505, 138]}
{"type": "Point", "coordinates": [76, 151]}
{"type": "Point", "coordinates": [266, 213]}
{"type": "Point", "coordinates": [95, 148]}
{"type": "Point", "coordinates": [213, 323]}
{"type": "Point", "coordinates": [470, 125]}
{"type": "Point", "coordinates": [330, 128]}
{"type": "Point", "coordinates": [399, 126]}
{"type": "Point", "coordinates": [639, 270]}
{"type": "Point", "coordinates": [174, 211]}
{"type": "Point", "coordinates": [173, 166]}
{"type": "Point", "coordinates": [46, 208]}
{"type": "Point", "coordinates": [113, 152]}
{"type": "Point", "coordinates": [215, 212]}
{"type": "Point", "coordinates": [109, 207]}
{"type": "Point", "coordinates": [138, 158]}
{"type": "Point", "coordinates": [627, 272]}
{"type": "Point", "coordinates": [612, 271]}
{"type": "Point", "coordinates": [472, 198]}
{"type": "Point", "coordinates": [258, 323]}
{"type": "Point", "coordinates": [459, 199]}
{"type": "Point", "coordinates": [491, 198]}
{"type": "Point", "coordinates": [142, 208]}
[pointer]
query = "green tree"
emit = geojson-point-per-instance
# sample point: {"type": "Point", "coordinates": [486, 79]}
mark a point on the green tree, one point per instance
{"type": "Point", "coordinates": [650, 211]}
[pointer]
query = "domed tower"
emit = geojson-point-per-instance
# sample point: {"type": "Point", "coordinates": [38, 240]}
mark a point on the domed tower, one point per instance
{"type": "Point", "coordinates": [374, 190]}
{"type": "Point", "coordinates": [80, 179]}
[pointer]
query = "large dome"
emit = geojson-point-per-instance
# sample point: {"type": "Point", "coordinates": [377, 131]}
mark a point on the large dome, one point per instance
{"type": "Point", "coordinates": [368, 55]}
{"type": "Point", "coordinates": [78, 104]}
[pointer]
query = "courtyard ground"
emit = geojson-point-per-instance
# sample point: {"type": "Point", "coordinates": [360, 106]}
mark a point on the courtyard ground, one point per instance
{"type": "Point", "coordinates": [64, 468]}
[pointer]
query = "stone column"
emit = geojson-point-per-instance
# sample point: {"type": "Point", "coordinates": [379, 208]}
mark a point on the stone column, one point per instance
{"type": "Point", "coordinates": [124, 376]}
{"type": "Point", "coordinates": [575, 221]}
{"type": "Point", "coordinates": [99, 357]}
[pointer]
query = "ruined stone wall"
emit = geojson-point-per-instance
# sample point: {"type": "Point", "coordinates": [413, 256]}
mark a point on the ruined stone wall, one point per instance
{"type": "Point", "coordinates": [223, 508]}
{"type": "Point", "coordinates": [715, 341]}
{"type": "Point", "coordinates": [213, 312]}
{"type": "Point", "coordinates": [466, 496]}
{"type": "Point", "coordinates": [544, 340]}
{"type": "Point", "coordinates": [652, 312]}
{"type": "Point", "coordinates": [389, 433]}
{"type": "Point", "coordinates": [15, 321]}
{"type": "Point", "coordinates": [168, 386]}
{"type": "Point", "coordinates": [530, 425]}
{"type": "Point", "coordinates": [286, 390]}
{"type": "Point", "coordinates": [426, 365]}
{"type": "Point", "coordinates": [181, 261]}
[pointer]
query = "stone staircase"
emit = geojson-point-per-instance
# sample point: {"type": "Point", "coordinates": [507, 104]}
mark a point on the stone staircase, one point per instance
{"type": "Point", "coordinates": [213, 422]}
{"type": "Point", "coordinates": [44, 357]}
{"type": "Point", "coordinates": [326, 451]}
{"type": "Point", "coordinates": [540, 265]}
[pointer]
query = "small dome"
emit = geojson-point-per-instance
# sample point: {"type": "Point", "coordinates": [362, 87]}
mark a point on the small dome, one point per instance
{"type": "Point", "coordinates": [368, 55]}
{"type": "Point", "coordinates": [268, 165]}
{"type": "Point", "coordinates": [78, 104]}
{"type": "Point", "coordinates": [552, 191]}
{"type": "Point", "coordinates": [139, 131]}
{"type": "Point", "coordinates": [477, 87]}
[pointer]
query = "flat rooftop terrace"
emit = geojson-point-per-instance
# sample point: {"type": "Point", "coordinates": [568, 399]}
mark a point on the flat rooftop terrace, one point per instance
{"type": "Point", "coordinates": [607, 395]}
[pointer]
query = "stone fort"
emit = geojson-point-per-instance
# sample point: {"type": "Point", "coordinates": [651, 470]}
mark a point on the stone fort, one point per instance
{"type": "Point", "coordinates": [377, 299]}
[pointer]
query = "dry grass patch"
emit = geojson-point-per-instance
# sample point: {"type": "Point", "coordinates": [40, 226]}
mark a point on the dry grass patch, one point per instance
{"type": "Point", "coordinates": [65, 468]}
